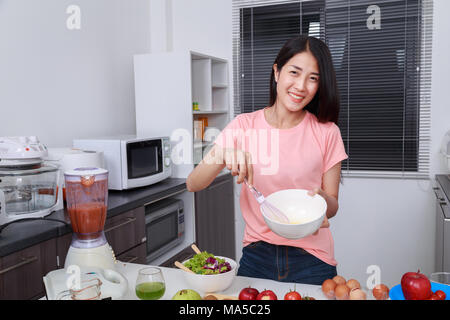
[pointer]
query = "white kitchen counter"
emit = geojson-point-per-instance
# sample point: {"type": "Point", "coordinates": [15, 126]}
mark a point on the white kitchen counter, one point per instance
{"type": "Point", "coordinates": [175, 281]}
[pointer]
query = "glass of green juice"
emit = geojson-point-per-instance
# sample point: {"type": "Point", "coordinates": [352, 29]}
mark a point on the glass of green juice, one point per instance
{"type": "Point", "coordinates": [150, 284]}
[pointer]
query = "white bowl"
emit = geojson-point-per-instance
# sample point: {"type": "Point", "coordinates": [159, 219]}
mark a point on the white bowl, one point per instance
{"type": "Point", "coordinates": [211, 282]}
{"type": "Point", "coordinates": [305, 212]}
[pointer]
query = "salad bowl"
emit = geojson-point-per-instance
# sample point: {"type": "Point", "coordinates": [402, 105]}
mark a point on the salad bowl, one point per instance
{"type": "Point", "coordinates": [211, 282]}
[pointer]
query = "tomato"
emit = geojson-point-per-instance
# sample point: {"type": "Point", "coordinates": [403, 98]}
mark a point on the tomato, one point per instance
{"type": "Point", "coordinates": [440, 294]}
{"type": "Point", "coordinates": [292, 295]}
{"type": "Point", "coordinates": [433, 297]}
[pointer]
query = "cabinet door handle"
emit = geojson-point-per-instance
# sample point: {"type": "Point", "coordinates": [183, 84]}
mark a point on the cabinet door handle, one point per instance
{"type": "Point", "coordinates": [127, 221]}
{"type": "Point", "coordinates": [437, 192]}
{"type": "Point", "coordinates": [130, 259]}
{"type": "Point", "coordinates": [18, 265]}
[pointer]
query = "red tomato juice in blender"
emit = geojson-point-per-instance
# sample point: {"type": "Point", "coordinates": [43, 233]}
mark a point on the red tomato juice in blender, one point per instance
{"type": "Point", "coordinates": [87, 207]}
{"type": "Point", "coordinates": [88, 219]}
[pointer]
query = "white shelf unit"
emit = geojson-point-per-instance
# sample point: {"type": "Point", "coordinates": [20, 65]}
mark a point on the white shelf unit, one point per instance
{"type": "Point", "coordinates": [210, 83]}
{"type": "Point", "coordinates": [166, 85]}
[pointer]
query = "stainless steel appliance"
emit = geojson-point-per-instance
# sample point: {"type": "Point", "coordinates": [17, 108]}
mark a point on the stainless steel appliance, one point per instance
{"type": "Point", "coordinates": [164, 224]}
{"type": "Point", "coordinates": [445, 149]}
{"type": "Point", "coordinates": [132, 161]}
{"type": "Point", "coordinates": [442, 191]}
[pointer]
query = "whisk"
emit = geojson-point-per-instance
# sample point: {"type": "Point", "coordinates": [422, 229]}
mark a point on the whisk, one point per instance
{"type": "Point", "coordinates": [268, 208]}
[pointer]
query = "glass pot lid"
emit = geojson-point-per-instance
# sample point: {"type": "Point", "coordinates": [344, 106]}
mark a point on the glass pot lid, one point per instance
{"type": "Point", "coordinates": [5, 171]}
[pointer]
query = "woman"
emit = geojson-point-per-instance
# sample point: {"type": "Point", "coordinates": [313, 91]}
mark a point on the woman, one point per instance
{"type": "Point", "coordinates": [292, 144]}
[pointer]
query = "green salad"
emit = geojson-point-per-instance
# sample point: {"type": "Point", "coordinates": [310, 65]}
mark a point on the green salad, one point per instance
{"type": "Point", "coordinates": [206, 263]}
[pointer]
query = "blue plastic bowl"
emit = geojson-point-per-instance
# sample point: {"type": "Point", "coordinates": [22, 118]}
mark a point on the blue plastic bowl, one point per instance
{"type": "Point", "coordinates": [396, 292]}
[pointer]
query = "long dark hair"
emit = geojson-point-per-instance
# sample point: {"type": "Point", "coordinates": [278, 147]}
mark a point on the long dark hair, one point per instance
{"type": "Point", "coordinates": [325, 104]}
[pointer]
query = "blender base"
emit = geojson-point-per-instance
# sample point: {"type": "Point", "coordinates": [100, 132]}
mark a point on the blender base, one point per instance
{"type": "Point", "coordinates": [100, 257]}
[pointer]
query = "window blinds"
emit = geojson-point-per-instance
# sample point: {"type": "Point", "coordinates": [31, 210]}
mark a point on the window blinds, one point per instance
{"type": "Point", "coordinates": [382, 55]}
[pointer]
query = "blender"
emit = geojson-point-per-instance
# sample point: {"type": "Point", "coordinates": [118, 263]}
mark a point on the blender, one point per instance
{"type": "Point", "coordinates": [89, 252]}
{"type": "Point", "coordinates": [87, 198]}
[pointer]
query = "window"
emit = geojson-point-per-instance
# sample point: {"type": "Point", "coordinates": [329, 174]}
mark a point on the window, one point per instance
{"type": "Point", "coordinates": [382, 56]}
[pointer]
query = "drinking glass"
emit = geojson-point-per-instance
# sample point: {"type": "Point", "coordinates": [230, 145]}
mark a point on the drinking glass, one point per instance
{"type": "Point", "coordinates": [150, 284]}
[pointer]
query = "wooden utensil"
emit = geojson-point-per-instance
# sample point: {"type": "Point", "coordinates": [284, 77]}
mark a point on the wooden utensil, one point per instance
{"type": "Point", "coordinates": [183, 267]}
{"type": "Point", "coordinates": [221, 296]}
{"type": "Point", "coordinates": [195, 248]}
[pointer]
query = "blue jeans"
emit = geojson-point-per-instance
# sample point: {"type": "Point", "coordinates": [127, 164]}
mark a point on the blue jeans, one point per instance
{"type": "Point", "coordinates": [283, 263]}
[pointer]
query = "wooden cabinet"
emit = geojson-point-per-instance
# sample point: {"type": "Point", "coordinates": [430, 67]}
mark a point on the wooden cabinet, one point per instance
{"type": "Point", "coordinates": [214, 218]}
{"type": "Point", "coordinates": [21, 272]}
{"type": "Point", "coordinates": [135, 255]}
{"type": "Point", "coordinates": [124, 233]}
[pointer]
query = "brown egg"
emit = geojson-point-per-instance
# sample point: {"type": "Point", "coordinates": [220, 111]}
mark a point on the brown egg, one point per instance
{"type": "Point", "coordinates": [209, 297]}
{"type": "Point", "coordinates": [339, 280]}
{"type": "Point", "coordinates": [380, 292]}
{"type": "Point", "coordinates": [342, 292]}
{"type": "Point", "coordinates": [357, 294]}
{"type": "Point", "coordinates": [353, 283]}
{"type": "Point", "coordinates": [328, 287]}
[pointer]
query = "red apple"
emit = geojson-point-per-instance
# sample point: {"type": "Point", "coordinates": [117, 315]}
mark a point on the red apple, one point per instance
{"type": "Point", "coordinates": [292, 295]}
{"type": "Point", "coordinates": [267, 295]}
{"type": "Point", "coordinates": [248, 294]}
{"type": "Point", "coordinates": [416, 286]}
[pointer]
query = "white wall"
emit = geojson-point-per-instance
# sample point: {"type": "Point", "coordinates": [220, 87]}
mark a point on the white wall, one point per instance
{"type": "Point", "coordinates": [203, 26]}
{"type": "Point", "coordinates": [59, 84]}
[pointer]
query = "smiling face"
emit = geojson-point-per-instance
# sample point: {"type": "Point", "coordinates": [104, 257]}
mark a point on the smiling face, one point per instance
{"type": "Point", "coordinates": [297, 81]}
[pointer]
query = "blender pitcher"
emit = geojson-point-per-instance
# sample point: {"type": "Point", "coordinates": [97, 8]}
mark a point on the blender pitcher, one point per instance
{"type": "Point", "coordinates": [87, 197]}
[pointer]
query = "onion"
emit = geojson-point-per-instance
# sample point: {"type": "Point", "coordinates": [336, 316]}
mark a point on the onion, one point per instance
{"type": "Point", "coordinates": [339, 280]}
{"type": "Point", "coordinates": [380, 292]}
{"type": "Point", "coordinates": [328, 287]}
{"type": "Point", "coordinates": [342, 292]}
{"type": "Point", "coordinates": [357, 294]}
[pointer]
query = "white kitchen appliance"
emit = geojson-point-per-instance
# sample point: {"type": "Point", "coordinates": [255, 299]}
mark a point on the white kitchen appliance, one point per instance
{"type": "Point", "coordinates": [58, 282]}
{"type": "Point", "coordinates": [445, 149]}
{"type": "Point", "coordinates": [70, 158]}
{"type": "Point", "coordinates": [132, 161]}
{"type": "Point", "coordinates": [28, 186]}
{"type": "Point", "coordinates": [87, 199]}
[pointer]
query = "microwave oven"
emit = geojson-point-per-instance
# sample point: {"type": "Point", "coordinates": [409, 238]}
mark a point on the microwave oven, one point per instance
{"type": "Point", "coordinates": [130, 160]}
{"type": "Point", "coordinates": [164, 227]}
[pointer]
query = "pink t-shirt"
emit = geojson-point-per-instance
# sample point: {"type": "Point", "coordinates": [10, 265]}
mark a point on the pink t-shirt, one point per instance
{"type": "Point", "coordinates": [294, 158]}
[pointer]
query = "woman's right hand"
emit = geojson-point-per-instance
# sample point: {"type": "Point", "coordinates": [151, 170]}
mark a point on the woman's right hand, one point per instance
{"type": "Point", "coordinates": [240, 164]}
